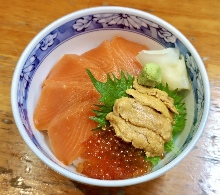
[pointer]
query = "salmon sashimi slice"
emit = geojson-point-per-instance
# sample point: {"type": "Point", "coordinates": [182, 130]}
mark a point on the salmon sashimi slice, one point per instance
{"type": "Point", "coordinates": [69, 130]}
{"type": "Point", "coordinates": [55, 98]}
{"type": "Point", "coordinates": [125, 52]}
{"type": "Point", "coordinates": [102, 57]}
{"type": "Point", "coordinates": [72, 67]}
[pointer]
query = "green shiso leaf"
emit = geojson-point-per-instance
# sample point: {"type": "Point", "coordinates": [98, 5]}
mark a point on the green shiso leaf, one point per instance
{"type": "Point", "coordinates": [110, 91]}
{"type": "Point", "coordinates": [179, 119]}
{"type": "Point", "coordinates": [154, 160]}
{"type": "Point", "coordinates": [169, 146]}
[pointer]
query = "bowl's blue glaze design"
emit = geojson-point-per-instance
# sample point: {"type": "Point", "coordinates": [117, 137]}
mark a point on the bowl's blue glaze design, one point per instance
{"type": "Point", "coordinates": [98, 22]}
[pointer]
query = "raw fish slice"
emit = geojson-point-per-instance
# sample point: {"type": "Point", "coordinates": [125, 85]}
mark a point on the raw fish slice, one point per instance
{"type": "Point", "coordinates": [57, 97]}
{"type": "Point", "coordinates": [69, 130]}
{"type": "Point", "coordinates": [125, 52]}
{"type": "Point", "coordinates": [72, 67]}
{"type": "Point", "coordinates": [102, 57]}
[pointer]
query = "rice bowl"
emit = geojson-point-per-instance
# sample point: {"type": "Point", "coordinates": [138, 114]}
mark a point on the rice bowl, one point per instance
{"type": "Point", "coordinates": [80, 31]}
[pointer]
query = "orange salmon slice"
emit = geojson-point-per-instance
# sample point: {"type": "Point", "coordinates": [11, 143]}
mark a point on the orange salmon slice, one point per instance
{"type": "Point", "coordinates": [124, 54]}
{"type": "Point", "coordinates": [72, 67]}
{"type": "Point", "coordinates": [69, 130]}
{"type": "Point", "coordinates": [102, 57]}
{"type": "Point", "coordinates": [57, 97]}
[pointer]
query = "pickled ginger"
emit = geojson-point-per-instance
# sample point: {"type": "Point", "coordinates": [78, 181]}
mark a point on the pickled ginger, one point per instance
{"type": "Point", "coordinates": [172, 64]}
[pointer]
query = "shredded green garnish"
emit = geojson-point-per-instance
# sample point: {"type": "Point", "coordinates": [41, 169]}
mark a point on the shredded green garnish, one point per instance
{"type": "Point", "coordinates": [110, 91]}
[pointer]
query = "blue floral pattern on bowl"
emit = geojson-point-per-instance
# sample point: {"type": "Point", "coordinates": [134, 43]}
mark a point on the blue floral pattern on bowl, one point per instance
{"type": "Point", "coordinates": [98, 22]}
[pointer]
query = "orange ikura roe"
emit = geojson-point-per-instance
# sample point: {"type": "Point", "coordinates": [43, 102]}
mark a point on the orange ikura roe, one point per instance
{"type": "Point", "coordinates": [108, 157]}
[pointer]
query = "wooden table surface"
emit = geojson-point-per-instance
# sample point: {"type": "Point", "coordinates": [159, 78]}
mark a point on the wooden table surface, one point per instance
{"type": "Point", "coordinates": [21, 172]}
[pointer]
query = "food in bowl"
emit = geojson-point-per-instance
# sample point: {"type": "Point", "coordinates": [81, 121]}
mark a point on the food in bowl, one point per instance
{"type": "Point", "coordinates": [84, 30]}
{"type": "Point", "coordinates": [130, 107]}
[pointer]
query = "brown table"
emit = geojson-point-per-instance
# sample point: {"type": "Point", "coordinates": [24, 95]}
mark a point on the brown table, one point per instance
{"type": "Point", "coordinates": [21, 172]}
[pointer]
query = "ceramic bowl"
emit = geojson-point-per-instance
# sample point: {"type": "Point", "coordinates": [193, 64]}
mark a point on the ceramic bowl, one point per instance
{"type": "Point", "coordinates": [86, 29]}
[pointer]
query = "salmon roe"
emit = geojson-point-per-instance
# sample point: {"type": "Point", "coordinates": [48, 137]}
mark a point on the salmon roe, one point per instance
{"type": "Point", "coordinates": [108, 157]}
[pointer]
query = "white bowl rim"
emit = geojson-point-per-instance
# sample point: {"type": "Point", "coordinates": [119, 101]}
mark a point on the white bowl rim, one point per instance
{"type": "Point", "coordinates": [96, 182]}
